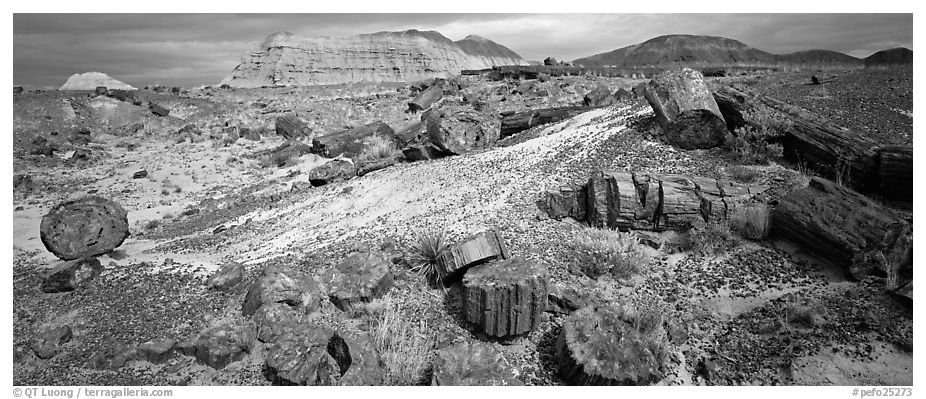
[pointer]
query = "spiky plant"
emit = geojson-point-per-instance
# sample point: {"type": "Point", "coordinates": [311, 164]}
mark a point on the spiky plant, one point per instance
{"type": "Point", "coordinates": [425, 250]}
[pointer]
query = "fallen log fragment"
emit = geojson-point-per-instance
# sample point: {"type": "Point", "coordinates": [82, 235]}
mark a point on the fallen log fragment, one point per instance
{"type": "Point", "coordinates": [350, 143]}
{"type": "Point", "coordinates": [425, 99]}
{"type": "Point", "coordinates": [506, 298]}
{"type": "Point", "coordinates": [521, 121]}
{"type": "Point", "coordinates": [895, 172]}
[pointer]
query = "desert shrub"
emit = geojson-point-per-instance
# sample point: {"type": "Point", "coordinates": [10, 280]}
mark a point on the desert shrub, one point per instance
{"type": "Point", "coordinates": [742, 174]}
{"type": "Point", "coordinates": [710, 238]}
{"type": "Point", "coordinates": [755, 143]}
{"type": "Point", "coordinates": [751, 222]}
{"type": "Point", "coordinates": [599, 252]}
{"type": "Point", "coordinates": [376, 148]}
{"type": "Point", "coordinates": [152, 224]}
{"type": "Point", "coordinates": [426, 247]}
{"type": "Point", "coordinates": [404, 344]}
{"type": "Point", "coordinates": [648, 318]}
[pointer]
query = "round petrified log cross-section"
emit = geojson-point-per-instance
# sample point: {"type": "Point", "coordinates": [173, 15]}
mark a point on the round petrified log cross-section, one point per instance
{"type": "Point", "coordinates": [506, 298]}
{"type": "Point", "coordinates": [597, 347]}
{"type": "Point", "coordinates": [84, 227]}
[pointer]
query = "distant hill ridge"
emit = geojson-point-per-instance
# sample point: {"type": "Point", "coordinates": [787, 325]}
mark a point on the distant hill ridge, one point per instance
{"type": "Point", "coordinates": [695, 49]}
{"type": "Point", "coordinates": [286, 59]}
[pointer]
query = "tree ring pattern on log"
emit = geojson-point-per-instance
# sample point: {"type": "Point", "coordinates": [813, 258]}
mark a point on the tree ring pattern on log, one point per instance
{"type": "Point", "coordinates": [84, 227]}
{"type": "Point", "coordinates": [506, 298]}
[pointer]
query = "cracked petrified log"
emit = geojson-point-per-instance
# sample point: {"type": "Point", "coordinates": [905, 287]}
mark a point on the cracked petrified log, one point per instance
{"type": "Point", "coordinates": [304, 354]}
{"type": "Point", "coordinates": [506, 298]}
{"type": "Point", "coordinates": [600, 96]}
{"type": "Point", "coordinates": [279, 285]}
{"type": "Point", "coordinates": [521, 121]}
{"type": "Point", "coordinates": [641, 201]}
{"type": "Point", "coordinates": [350, 143]}
{"type": "Point", "coordinates": [459, 128]}
{"type": "Point", "coordinates": [84, 227]}
{"type": "Point", "coordinates": [832, 151]}
{"type": "Point", "coordinates": [291, 127]}
{"type": "Point", "coordinates": [473, 364]}
{"type": "Point", "coordinates": [597, 347]}
{"type": "Point", "coordinates": [478, 248]}
{"type": "Point", "coordinates": [846, 228]}
{"type": "Point", "coordinates": [360, 277]}
{"type": "Point", "coordinates": [158, 110]}
{"type": "Point", "coordinates": [685, 108]}
{"type": "Point", "coordinates": [424, 99]}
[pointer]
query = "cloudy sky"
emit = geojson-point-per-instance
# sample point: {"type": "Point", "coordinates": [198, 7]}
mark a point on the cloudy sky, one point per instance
{"type": "Point", "coordinates": [195, 49]}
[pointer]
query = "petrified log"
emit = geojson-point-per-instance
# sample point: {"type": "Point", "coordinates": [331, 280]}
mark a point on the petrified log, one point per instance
{"type": "Point", "coordinates": [291, 127]}
{"type": "Point", "coordinates": [424, 99]}
{"type": "Point", "coordinates": [507, 297]}
{"type": "Point", "coordinates": [218, 346]}
{"type": "Point", "coordinates": [458, 129]}
{"type": "Point", "coordinates": [360, 277]}
{"type": "Point", "coordinates": [84, 227]}
{"type": "Point", "coordinates": [832, 151]}
{"type": "Point", "coordinates": [844, 227]}
{"type": "Point", "coordinates": [278, 285]}
{"type": "Point", "coordinates": [895, 172]}
{"type": "Point", "coordinates": [351, 142]}
{"type": "Point", "coordinates": [597, 347]}
{"type": "Point", "coordinates": [334, 170]}
{"type": "Point", "coordinates": [473, 364]}
{"type": "Point", "coordinates": [477, 248]}
{"type": "Point", "coordinates": [72, 275]}
{"type": "Point", "coordinates": [521, 121]}
{"type": "Point", "coordinates": [640, 201]}
{"type": "Point", "coordinates": [686, 109]}
{"type": "Point", "coordinates": [304, 354]}
{"type": "Point", "coordinates": [600, 96]}
{"type": "Point", "coordinates": [158, 110]}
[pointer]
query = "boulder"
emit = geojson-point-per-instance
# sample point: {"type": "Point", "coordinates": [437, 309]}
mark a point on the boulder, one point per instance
{"type": "Point", "coordinates": [84, 227]}
{"type": "Point", "coordinates": [292, 128]}
{"type": "Point", "coordinates": [158, 110]}
{"type": "Point", "coordinates": [48, 342]}
{"type": "Point", "coordinates": [157, 350]}
{"type": "Point", "coordinates": [686, 109]}
{"type": "Point", "coordinates": [228, 276]}
{"type": "Point", "coordinates": [473, 364]}
{"type": "Point", "coordinates": [360, 277]}
{"type": "Point", "coordinates": [477, 248]}
{"type": "Point", "coordinates": [458, 129]}
{"type": "Point", "coordinates": [218, 346]}
{"type": "Point", "coordinates": [278, 285]}
{"type": "Point", "coordinates": [334, 170]}
{"type": "Point", "coordinates": [597, 347]}
{"type": "Point", "coordinates": [72, 275]}
{"type": "Point", "coordinates": [350, 143]}
{"type": "Point", "coordinates": [507, 297]}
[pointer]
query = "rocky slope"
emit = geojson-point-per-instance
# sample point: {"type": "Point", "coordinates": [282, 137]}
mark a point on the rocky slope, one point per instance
{"type": "Point", "coordinates": [693, 49]}
{"type": "Point", "coordinates": [894, 56]}
{"type": "Point", "coordinates": [92, 80]}
{"type": "Point", "coordinates": [284, 59]}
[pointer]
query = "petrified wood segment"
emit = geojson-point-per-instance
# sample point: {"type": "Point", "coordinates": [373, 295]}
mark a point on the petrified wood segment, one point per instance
{"type": "Point", "coordinates": [480, 247]}
{"type": "Point", "coordinates": [596, 347]}
{"type": "Point", "coordinates": [360, 277]}
{"type": "Point", "coordinates": [84, 227]}
{"type": "Point", "coordinates": [895, 172]}
{"type": "Point", "coordinates": [424, 99]}
{"type": "Point", "coordinates": [843, 226]}
{"type": "Point", "coordinates": [686, 109]}
{"type": "Point", "coordinates": [72, 275]}
{"type": "Point", "coordinates": [350, 143]}
{"type": "Point", "coordinates": [473, 364]}
{"type": "Point", "coordinates": [640, 201]}
{"type": "Point", "coordinates": [506, 298]}
{"type": "Point", "coordinates": [291, 127]}
{"type": "Point", "coordinates": [521, 121]}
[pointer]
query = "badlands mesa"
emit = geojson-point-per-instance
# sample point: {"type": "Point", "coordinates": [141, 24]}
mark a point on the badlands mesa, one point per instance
{"type": "Point", "coordinates": [399, 208]}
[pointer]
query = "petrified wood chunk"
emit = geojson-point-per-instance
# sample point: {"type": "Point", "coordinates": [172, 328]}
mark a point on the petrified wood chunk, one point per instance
{"type": "Point", "coordinates": [895, 172]}
{"type": "Point", "coordinates": [597, 347]}
{"type": "Point", "coordinates": [424, 100]}
{"type": "Point", "coordinates": [459, 129]}
{"type": "Point", "coordinates": [158, 110]}
{"type": "Point", "coordinates": [844, 227]}
{"type": "Point", "coordinates": [84, 227]}
{"type": "Point", "coordinates": [473, 364]}
{"type": "Point", "coordinates": [521, 121]}
{"type": "Point", "coordinates": [600, 96]}
{"type": "Point", "coordinates": [304, 354]}
{"type": "Point", "coordinates": [72, 275]}
{"type": "Point", "coordinates": [686, 109]}
{"type": "Point", "coordinates": [507, 297]}
{"type": "Point", "coordinates": [218, 346]}
{"type": "Point", "coordinates": [156, 350]}
{"type": "Point", "coordinates": [291, 127]}
{"type": "Point", "coordinates": [278, 285]}
{"type": "Point", "coordinates": [360, 277]}
{"type": "Point", "coordinates": [350, 143]}
{"type": "Point", "coordinates": [477, 248]}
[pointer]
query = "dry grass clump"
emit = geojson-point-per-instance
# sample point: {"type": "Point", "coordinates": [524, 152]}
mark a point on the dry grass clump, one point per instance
{"type": "Point", "coordinates": [743, 174]}
{"type": "Point", "coordinates": [425, 249]}
{"type": "Point", "coordinates": [403, 343]}
{"type": "Point", "coordinates": [376, 148]}
{"type": "Point", "coordinates": [599, 252]}
{"type": "Point", "coordinates": [710, 238]}
{"type": "Point", "coordinates": [648, 318]}
{"type": "Point", "coordinates": [751, 222]}
{"type": "Point", "coordinates": [755, 143]}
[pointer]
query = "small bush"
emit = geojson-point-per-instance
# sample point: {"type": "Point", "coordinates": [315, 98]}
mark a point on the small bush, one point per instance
{"type": "Point", "coordinates": [754, 143]}
{"type": "Point", "coordinates": [648, 318]}
{"type": "Point", "coordinates": [152, 224]}
{"type": "Point", "coordinates": [710, 238]}
{"type": "Point", "coordinates": [376, 148]}
{"type": "Point", "coordinates": [599, 252]}
{"type": "Point", "coordinates": [742, 174]}
{"type": "Point", "coordinates": [404, 345]}
{"type": "Point", "coordinates": [425, 249]}
{"type": "Point", "coordinates": [751, 222]}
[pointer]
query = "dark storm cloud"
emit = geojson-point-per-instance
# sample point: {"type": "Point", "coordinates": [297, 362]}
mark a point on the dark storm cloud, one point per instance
{"type": "Point", "coordinates": [195, 49]}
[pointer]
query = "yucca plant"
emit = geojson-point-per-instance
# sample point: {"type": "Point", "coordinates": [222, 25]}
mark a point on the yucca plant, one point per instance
{"type": "Point", "coordinates": [425, 250]}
